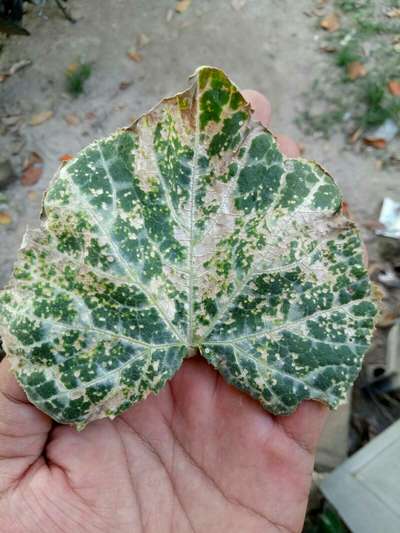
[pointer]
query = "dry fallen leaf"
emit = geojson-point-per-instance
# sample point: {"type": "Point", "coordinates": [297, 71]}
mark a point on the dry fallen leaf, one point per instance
{"type": "Point", "coordinates": [65, 157]}
{"type": "Point", "coordinates": [355, 135]}
{"type": "Point", "coordinates": [71, 119]}
{"type": "Point", "coordinates": [238, 4]}
{"type": "Point", "coordinates": [41, 117]}
{"type": "Point", "coordinates": [72, 67]}
{"type": "Point", "coordinates": [394, 87]}
{"type": "Point", "coordinates": [380, 144]}
{"type": "Point", "coordinates": [33, 169]}
{"type": "Point", "coordinates": [135, 56]}
{"type": "Point", "coordinates": [5, 218]}
{"type": "Point", "coordinates": [90, 115]}
{"type": "Point", "coordinates": [142, 40]}
{"type": "Point", "coordinates": [329, 49]}
{"type": "Point", "coordinates": [182, 5]}
{"type": "Point", "coordinates": [330, 23]}
{"type": "Point", "coordinates": [393, 13]}
{"type": "Point", "coordinates": [356, 70]}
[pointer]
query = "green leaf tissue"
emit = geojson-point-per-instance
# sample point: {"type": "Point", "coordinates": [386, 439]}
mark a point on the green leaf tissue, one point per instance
{"type": "Point", "coordinates": [187, 232]}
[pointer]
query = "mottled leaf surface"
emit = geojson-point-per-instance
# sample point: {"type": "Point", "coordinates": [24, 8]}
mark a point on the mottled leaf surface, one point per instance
{"type": "Point", "coordinates": [189, 229]}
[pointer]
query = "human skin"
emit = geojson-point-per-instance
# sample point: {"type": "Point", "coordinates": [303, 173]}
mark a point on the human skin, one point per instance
{"type": "Point", "coordinates": [200, 456]}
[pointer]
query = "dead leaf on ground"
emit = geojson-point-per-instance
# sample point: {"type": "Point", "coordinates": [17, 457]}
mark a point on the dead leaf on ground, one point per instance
{"type": "Point", "coordinates": [379, 144]}
{"type": "Point", "coordinates": [135, 56]}
{"type": "Point", "coordinates": [33, 170]}
{"type": "Point", "coordinates": [41, 117]}
{"type": "Point", "coordinates": [142, 40]}
{"type": "Point", "coordinates": [356, 135]}
{"type": "Point", "coordinates": [393, 13]}
{"type": "Point", "coordinates": [327, 48]}
{"type": "Point", "coordinates": [356, 70]}
{"type": "Point", "coordinates": [182, 5]}
{"type": "Point", "coordinates": [394, 87]}
{"type": "Point", "coordinates": [330, 23]}
{"type": "Point", "coordinates": [5, 218]}
{"type": "Point", "coordinates": [72, 67]}
{"type": "Point", "coordinates": [238, 4]}
{"type": "Point", "coordinates": [90, 115]}
{"type": "Point", "coordinates": [65, 157]}
{"type": "Point", "coordinates": [72, 120]}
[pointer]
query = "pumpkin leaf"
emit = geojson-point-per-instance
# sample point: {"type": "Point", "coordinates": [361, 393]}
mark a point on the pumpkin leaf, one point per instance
{"type": "Point", "coordinates": [187, 231]}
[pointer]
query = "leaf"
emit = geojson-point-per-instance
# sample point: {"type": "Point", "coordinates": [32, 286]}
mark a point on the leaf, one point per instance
{"type": "Point", "coordinates": [379, 144]}
{"type": "Point", "coordinates": [188, 231]}
{"type": "Point", "coordinates": [355, 136]}
{"type": "Point", "coordinates": [394, 87]}
{"type": "Point", "coordinates": [356, 70]}
{"type": "Point", "coordinates": [393, 13]}
{"type": "Point", "coordinates": [135, 56]}
{"type": "Point", "coordinates": [41, 117]}
{"type": "Point", "coordinates": [330, 23]}
{"type": "Point", "coordinates": [182, 5]}
{"type": "Point", "coordinates": [65, 157]}
{"type": "Point", "coordinates": [238, 4]}
{"type": "Point", "coordinates": [33, 170]}
{"type": "Point", "coordinates": [142, 40]}
{"type": "Point", "coordinates": [5, 218]}
{"type": "Point", "coordinates": [72, 120]}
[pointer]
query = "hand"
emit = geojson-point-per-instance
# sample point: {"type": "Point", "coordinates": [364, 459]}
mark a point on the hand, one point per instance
{"type": "Point", "coordinates": [198, 457]}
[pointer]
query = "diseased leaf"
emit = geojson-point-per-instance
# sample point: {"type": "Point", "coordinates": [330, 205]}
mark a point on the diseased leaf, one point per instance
{"type": "Point", "coordinates": [189, 230]}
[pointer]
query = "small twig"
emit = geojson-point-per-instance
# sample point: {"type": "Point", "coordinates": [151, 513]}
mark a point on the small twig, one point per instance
{"type": "Point", "coordinates": [65, 11]}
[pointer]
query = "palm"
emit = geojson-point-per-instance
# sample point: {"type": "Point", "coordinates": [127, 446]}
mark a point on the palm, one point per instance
{"type": "Point", "coordinates": [200, 456]}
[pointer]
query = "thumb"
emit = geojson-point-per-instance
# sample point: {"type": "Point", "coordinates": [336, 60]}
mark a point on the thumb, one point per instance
{"type": "Point", "coordinates": [23, 430]}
